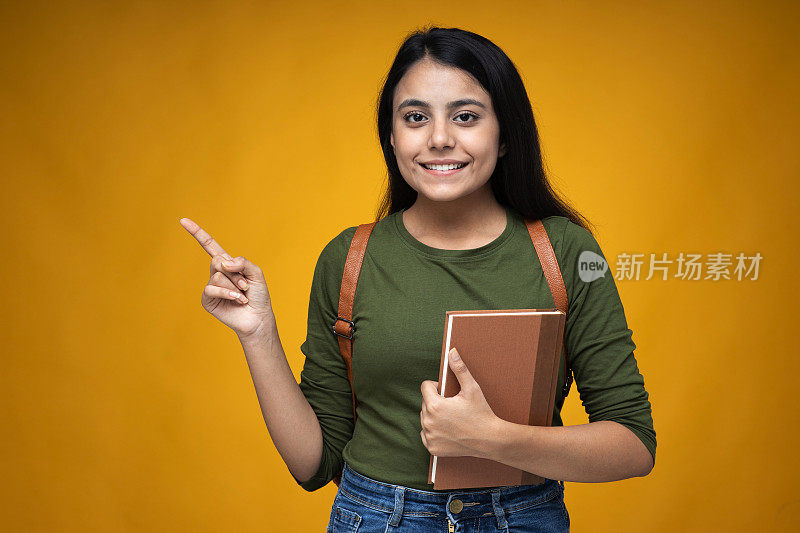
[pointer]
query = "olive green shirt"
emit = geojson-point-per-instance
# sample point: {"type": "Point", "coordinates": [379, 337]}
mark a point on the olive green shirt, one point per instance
{"type": "Point", "coordinates": [403, 291]}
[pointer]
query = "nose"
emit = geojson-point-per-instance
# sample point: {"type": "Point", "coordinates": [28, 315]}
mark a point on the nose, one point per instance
{"type": "Point", "coordinates": [441, 135]}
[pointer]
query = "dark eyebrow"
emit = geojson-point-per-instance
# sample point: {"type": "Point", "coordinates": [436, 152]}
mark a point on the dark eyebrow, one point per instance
{"type": "Point", "coordinates": [455, 103]}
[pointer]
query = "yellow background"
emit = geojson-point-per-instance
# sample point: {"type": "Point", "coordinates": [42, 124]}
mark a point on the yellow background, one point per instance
{"type": "Point", "coordinates": [126, 407]}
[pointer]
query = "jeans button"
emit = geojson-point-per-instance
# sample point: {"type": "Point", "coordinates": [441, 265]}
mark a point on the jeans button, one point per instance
{"type": "Point", "coordinates": [456, 506]}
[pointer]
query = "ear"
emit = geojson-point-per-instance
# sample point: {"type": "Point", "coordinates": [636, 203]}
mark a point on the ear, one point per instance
{"type": "Point", "coordinates": [391, 140]}
{"type": "Point", "coordinates": [502, 150]}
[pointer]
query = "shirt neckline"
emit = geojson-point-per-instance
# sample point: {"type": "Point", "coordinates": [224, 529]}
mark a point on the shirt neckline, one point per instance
{"type": "Point", "coordinates": [458, 255]}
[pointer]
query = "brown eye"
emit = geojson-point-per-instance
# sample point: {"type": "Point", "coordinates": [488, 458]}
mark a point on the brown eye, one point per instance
{"type": "Point", "coordinates": [412, 115]}
{"type": "Point", "coordinates": [467, 115]}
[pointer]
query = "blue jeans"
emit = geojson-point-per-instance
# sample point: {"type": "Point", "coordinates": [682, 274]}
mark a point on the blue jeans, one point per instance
{"type": "Point", "coordinates": [365, 505]}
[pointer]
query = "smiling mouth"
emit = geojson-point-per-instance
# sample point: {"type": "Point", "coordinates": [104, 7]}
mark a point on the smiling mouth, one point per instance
{"type": "Point", "coordinates": [443, 170]}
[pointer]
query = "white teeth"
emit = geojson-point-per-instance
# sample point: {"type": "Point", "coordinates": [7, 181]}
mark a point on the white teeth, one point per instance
{"type": "Point", "coordinates": [444, 167]}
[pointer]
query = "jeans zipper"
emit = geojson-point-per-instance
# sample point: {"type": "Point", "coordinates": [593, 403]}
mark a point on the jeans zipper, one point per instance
{"type": "Point", "coordinates": [450, 526]}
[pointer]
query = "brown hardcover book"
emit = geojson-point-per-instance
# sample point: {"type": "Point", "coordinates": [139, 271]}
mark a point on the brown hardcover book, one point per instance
{"type": "Point", "coordinates": [514, 355]}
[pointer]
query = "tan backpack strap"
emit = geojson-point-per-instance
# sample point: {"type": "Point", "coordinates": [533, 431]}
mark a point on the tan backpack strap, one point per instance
{"type": "Point", "coordinates": [552, 272]}
{"type": "Point", "coordinates": [544, 249]}
{"type": "Point", "coordinates": [343, 326]}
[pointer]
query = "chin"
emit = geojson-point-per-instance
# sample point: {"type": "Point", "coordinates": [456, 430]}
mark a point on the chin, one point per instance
{"type": "Point", "coordinates": [449, 195]}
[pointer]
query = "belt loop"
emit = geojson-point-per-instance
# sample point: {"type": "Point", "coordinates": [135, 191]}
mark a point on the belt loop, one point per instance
{"type": "Point", "coordinates": [498, 509]}
{"type": "Point", "coordinates": [399, 496]}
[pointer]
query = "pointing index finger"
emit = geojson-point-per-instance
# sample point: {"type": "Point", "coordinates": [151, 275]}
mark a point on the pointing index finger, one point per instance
{"type": "Point", "coordinates": [206, 241]}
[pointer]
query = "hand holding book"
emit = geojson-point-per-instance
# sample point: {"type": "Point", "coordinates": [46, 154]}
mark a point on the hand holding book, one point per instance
{"type": "Point", "coordinates": [513, 357]}
{"type": "Point", "coordinates": [458, 425]}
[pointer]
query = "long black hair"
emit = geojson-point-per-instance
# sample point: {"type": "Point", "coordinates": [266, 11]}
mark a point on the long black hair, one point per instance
{"type": "Point", "coordinates": [519, 178]}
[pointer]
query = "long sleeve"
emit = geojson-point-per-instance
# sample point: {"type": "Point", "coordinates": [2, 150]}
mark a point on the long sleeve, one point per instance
{"type": "Point", "coordinates": [323, 379]}
{"type": "Point", "coordinates": [600, 346]}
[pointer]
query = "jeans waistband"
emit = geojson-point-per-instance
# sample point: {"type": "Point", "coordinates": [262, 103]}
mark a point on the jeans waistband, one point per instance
{"type": "Point", "coordinates": [405, 501]}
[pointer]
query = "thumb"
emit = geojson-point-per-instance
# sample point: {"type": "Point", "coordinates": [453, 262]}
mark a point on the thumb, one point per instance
{"type": "Point", "coordinates": [461, 371]}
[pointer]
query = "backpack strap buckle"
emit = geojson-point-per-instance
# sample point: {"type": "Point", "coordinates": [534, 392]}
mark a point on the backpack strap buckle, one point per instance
{"type": "Point", "coordinates": [351, 329]}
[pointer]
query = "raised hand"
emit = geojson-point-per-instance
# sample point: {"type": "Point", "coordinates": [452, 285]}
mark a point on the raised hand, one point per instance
{"type": "Point", "coordinates": [236, 293]}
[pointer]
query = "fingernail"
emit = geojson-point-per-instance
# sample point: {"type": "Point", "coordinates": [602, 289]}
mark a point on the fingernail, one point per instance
{"type": "Point", "coordinates": [226, 264]}
{"type": "Point", "coordinates": [243, 284]}
{"type": "Point", "coordinates": [454, 354]}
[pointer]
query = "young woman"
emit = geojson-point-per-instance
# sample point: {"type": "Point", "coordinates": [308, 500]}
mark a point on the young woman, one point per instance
{"type": "Point", "coordinates": [465, 169]}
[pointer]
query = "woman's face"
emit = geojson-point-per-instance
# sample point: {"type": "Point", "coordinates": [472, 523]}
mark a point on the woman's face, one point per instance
{"type": "Point", "coordinates": [442, 115]}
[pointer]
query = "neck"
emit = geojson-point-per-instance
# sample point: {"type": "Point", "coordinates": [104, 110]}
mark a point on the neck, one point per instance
{"type": "Point", "coordinates": [468, 222]}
